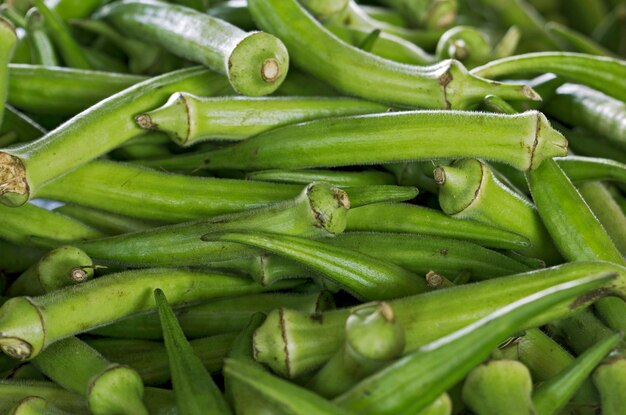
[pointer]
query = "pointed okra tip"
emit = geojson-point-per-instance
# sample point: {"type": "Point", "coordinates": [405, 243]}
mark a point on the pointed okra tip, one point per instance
{"type": "Point", "coordinates": [548, 142]}
{"type": "Point", "coordinates": [329, 206]}
{"type": "Point", "coordinates": [14, 189]}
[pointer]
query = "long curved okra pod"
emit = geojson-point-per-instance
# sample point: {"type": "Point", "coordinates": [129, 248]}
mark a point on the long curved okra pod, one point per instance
{"type": "Point", "coordinates": [363, 276]}
{"type": "Point", "coordinates": [522, 141]}
{"type": "Point", "coordinates": [62, 91]}
{"type": "Point", "coordinates": [8, 41]}
{"type": "Point", "coordinates": [601, 73]}
{"type": "Point", "coordinates": [108, 124]}
{"type": "Point", "coordinates": [578, 41]}
{"type": "Point", "coordinates": [29, 324]}
{"type": "Point", "coordinates": [256, 63]}
{"type": "Point", "coordinates": [581, 169]}
{"type": "Point", "coordinates": [413, 382]}
{"type": "Point", "coordinates": [359, 73]}
{"type": "Point", "coordinates": [189, 119]}
{"type": "Point", "coordinates": [292, 343]}
{"type": "Point", "coordinates": [336, 177]}
{"type": "Point", "coordinates": [610, 379]}
{"type": "Point", "coordinates": [468, 189]}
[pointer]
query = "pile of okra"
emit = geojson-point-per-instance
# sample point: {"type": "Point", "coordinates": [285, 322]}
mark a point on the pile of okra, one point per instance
{"type": "Point", "coordinates": [303, 207]}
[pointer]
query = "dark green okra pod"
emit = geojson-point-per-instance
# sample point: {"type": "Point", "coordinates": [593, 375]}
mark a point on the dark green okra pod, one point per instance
{"type": "Point", "coordinates": [581, 169]}
{"type": "Point", "coordinates": [359, 73]}
{"type": "Point", "coordinates": [8, 41]}
{"type": "Point", "coordinates": [610, 379]}
{"type": "Point", "coordinates": [373, 339]}
{"type": "Point", "coordinates": [23, 126]}
{"type": "Point", "coordinates": [109, 123]}
{"type": "Point", "coordinates": [466, 44]}
{"type": "Point", "coordinates": [17, 257]}
{"type": "Point", "coordinates": [426, 13]}
{"type": "Point", "coordinates": [36, 405]}
{"type": "Point", "coordinates": [578, 41]}
{"type": "Point", "coordinates": [256, 63]}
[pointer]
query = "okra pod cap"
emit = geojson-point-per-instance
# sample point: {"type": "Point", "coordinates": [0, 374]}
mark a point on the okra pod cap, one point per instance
{"type": "Point", "coordinates": [373, 332]}
{"type": "Point", "coordinates": [116, 390]}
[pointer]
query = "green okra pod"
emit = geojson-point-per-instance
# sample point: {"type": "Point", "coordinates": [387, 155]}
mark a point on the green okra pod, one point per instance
{"type": "Point", "coordinates": [552, 395]}
{"type": "Point", "coordinates": [578, 41]}
{"type": "Point", "coordinates": [36, 405]}
{"type": "Point", "coordinates": [325, 9]}
{"type": "Point", "coordinates": [17, 257]}
{"type": "Point", "coordinates": [608, 212]}
{"type": "Point", "coordinates": [195, 390]}
{"type": "Point", "coordinates": [581, 169]}
{"type": "Point", "coordinates": [359, 73]}
{"type": "Point", "coordinates": [11, 392]}
{"type": "Point", "coordinates": [105, 222]}
{"type": "Point", "coordinates": [62, 91]}
{"type": "Point", "coordinates": [292, 343]}
{"type": "Point", "coordinates": [41, 50]}
{"type": "Point", "coordinates": [420, 377]}
{"type": "Point", "coordinates": [234, 12]}
{"type": "Point", "coordinates": [385, 15]}
{"type": "Point", "coordinates": [610, 379]}
{"type": "Point", "coordinates": [592, 145]}
{"type": "Point", "coordinates": [468, 189]}
{"type": "Point", "coordinates": [601, 73]}
{"type": "Point", "coordinates": [255, 63]}
{"type": "Point", "coordinates": [109, 123]}
{"type": "Point", "coordinates": [189, 119]}
{"type": "Point", "coordinates": [522, 140]}
{"type": "Point", "coordinates": [217, 316]}
{"type": "Point", "coordinates": [373, 339]}
{"type": "Point", "coordinates": [580, 331]}
{"type": "Point", "coordinates": [406, 218]}
{"type": "Point", "coordinates": [336, 177]}
{"type": "Point", "coordinates": [57, 269]}
{"type": "Point", "coordinates": [8, 41]}
{"type": "Point", "coordinates": [108, 388]}
{"type": "Point", "coordinates": [466, 44]}
{"type": "Point", "coordinates": [498, 387]}
{"type": "Point", "coordinates": [24, 127]}
{"type": "Point", "coordinates": [29, 324]}
{"type": "Point", "coordinates": [426, 13]}
{"type": "Point", "coordinates": [361, 275]}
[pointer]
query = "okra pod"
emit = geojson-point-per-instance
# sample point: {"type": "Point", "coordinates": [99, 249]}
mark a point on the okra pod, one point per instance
{"type": "Point", "coordinates": [353, 71]}
{"type": "Point", "coordinates": [189, 119]}
{"type": "Point", "coordinates": [105, 222]}
{"type": "Point", "coordinates": [24, 127]}
{"type": "Point", "coordinates": [36, 405]}
{"type": "Point", "coordinates": [582, 169]}
{"type": "Point", "coordinates": [74, 9]}
{"type": "Point", "coordinates": [385, 15]}
{"type": "Point", "coordinates": [498, 387]}
{"type": "Point", "coordinates": [466, 44]}
{"type": "Point", "coordinates": [610, 379]}
{"type": "Point", "coordinates": [552, 395]}
{"type": "Point", "coordinates": [469, 190]}
{"type": "Point", "coordinates": [255, 63]}
{"type": "Point", "coordinates": [29, 324]}
{"type": "Point", "coordinates": [325, 9]}
{"type": "Point", "coordinates": [373, 339]}
{"type": "Point", "coordinates": [601, 73]}
{"type": "Point", "coordinates": [420, 377]}
{"type": "Point", "coordinates": [426, 13]}
{"type": "Point", "coordinates": [589, 144]}
{"type": "Point", "coordinates": [522, 141]}
{"type": "Point", "coordinates": [17, 257]}
{"type": "Point", "coordinates": [234, 12]}
{"type": "Point", "coordinates": [608, 212]}
{"type": "Point", "coordinates": [578, 41]}
{"type": "Point", "coordinates": [8, 41]}
{"type": "Point", "coordinates": [25, 168]}
{"type": "Point", "coordinates": [11, 392]}
{"type": "Point", "coordinates": [580, 331]}
{"type": "Point", "coordinates": [41, 50]}
{"type": "Point", "coordinates": [338, 178]}
{"type": "Point", "coordinates": [405, 218]}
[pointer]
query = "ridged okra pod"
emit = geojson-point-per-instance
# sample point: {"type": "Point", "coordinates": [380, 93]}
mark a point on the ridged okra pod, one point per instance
{"type": "Point", "coordinates": [11, 392]}
{"type": "Point", "coordinates": [373, 339]}
{"type": "Point", "coordinates": [468, 189]}
{"type": "Point", "coordinates": [608, 212]}
{"type": "Point", "coordinates": [255, 63]}
{"type": "Point", "coordinates": [108, 388]}
{"type": "Point", "coordinates": [601, 73]}
{"type": "Point", "coordinates": [57, 269]}
{"type": "Point", "coordinates": [338, 178]}
{"type": "Point", "coordinates": [36, 405]}
{"type": "Point", "coordinates": [106, 222]}
{"type": "Point", "coordinates": [444, 85]}
{"type": "Point", "coordinates": [420, 377]}
{"type": "Point", "coordinates": [8, 41]}
{"type": "Point", "coordinates": [467, 44]}
{"type": "Point", "coordinates": [610, 379]}
{"type": "Point", "coordinates": [23, 126]}
{"type": "Point", "coordinates": [319, 210]}
{"type": "Point", "coordinates": [293, 343]}
{"type": "Point", "coordinates": [17, 257]}
{"type": "Point", "coordinates": [29, 324]}
{"type": "Point", "coordinates": [426, 13]}
{"type": "Point", "coordinates": [109, 123]}
{"type": "Point", "coordinates": [498, 387]}
{"type": "Point", "coordinates": [581, 169]}
{"type": "Point", "coordinates": [522, 141]}
{"type": "Point", "coordinates": [41, 50]}
{"type": "Point", "coordinates": [189, 119]}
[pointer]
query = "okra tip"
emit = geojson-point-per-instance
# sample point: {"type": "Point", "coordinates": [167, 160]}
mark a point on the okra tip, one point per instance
{"type": "Point", "coordinates": [172, 118]}
{"type": "Point", "coordinates": [372, 331]}
{"type": "Point", "coordinates": [8, 29]}
{"type": "Point", "coordinates": [329, 206]}
{"type": "Point", "coordinates": [268, 347]}
{"type": "Point", "coordinates": [22, 331]}
{"type": "Point", "coordinates": [14, 189]}
{"type": "Point", "coordinates": [548, 142]}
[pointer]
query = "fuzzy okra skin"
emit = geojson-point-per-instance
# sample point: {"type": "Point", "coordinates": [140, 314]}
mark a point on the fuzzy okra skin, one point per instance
{"type": "Point", "coordinates": [443, 85]}
{"type": "Point", "coordinates": [189, 119]}
{"type": "Point", "coordinates": [581, 169]}
{"type": "Point", "coordinates": [293, 343]}
{"type": "Point", "coordinates": [11, 392]}
{"type": "Point", "coordinates": [8, 41]}
{"type": "Point", "coordinates": [29, 324]}
{"type": "Point", "coordinates": [521, 140]}
{"type": "Point", "coordinates": [62, 91]}
{"type": "Point", "coordinates": [106, 222]}
{"type": "Point", "coordinates": [256, 63]}
{"type": "Point", "coordinates": [414, 381]}
{"type": "Point", "coordinates": [601, 73]}
{"type": "Point", "coordinates": [338, 178]}
{"type": "Point", "coordinates": [109, 123]}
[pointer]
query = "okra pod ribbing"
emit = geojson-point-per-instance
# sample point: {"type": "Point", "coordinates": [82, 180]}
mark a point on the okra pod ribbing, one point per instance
{"type": "Point", "coordinates": [610, 380]}
{"type": "Point", "coordinates": [108, 123]}
{"type": "Point", "coordinates": [522, 141]}
{"type": "Point", "coordinates": [608, 212]}
{"type": "Point", "coordinates": [581, 169]}
{"type": "Point", "coordinates": [429, 13]}
{"type": "Point", "coordinates": [8, 41]}
{"type": "Point", "coordinates": [359, 73]}
{"type": "Point", "coordinates": [338, 178]}
{"type": "Point", "coordinates": [105, 222]}
{"type": "Point", "coordinates": [12, 392]}
{"type": "Point", "coordinates": [189, 119]}
{"type": "Point", "coordinates": [256, 63]}
{"type": "Point", "coordinates": [41, 50]}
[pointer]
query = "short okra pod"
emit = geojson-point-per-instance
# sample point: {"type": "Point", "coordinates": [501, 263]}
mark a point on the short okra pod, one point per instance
{"type": "Point", "coordinates": [11, 392]}
{"type": "Point", "coordinates": [351, 70]}
{"type": "Point", "coordinates": [406, 218]}
{"type": "Point", "coordinates": [420, 377]}
{"type": "Point", "coordinates": [361, 275]}
{"type": "Point", "coordinates": [57, 269]}
{"type": "Point", "coordinates": [109, 123]}
{"type": "Point", "coordinates": [522, 140]}
{"type": "Point", "coordinates": [8, 41]}
{"type": "Point", "coordinates": [108, 388]}
{"type": "Point", "coordinates": [41, 50]}
{"type": "Point", "coordinates": [189, 119]}
{"type": "Point", "coordinates": [373, 339]}
{"type": "Point", "coordinates": [582, 169]}
{"type": "Point", "coordinates": [24, 332]}
{"type": "Point", "coordinates": [336, 177]}
{"type": "Point", "coordinates": [255, 63]}
{"type": "Point", "coordinates": [469, 190]}
{"type": "Point", "coordinates": [610, 379]}
{"type": "Point", "coordinates": [498, 387]}
{"type": "Point", "coordinates": [195, 390]}
{"type": "Point", "coordinates": [36, 405]}
{"type": "Point", "coordinates": [553, 394]}
{"type": "Point", "coordinates": [600, 73]}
